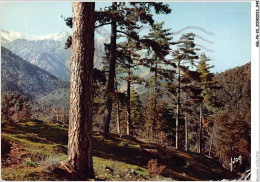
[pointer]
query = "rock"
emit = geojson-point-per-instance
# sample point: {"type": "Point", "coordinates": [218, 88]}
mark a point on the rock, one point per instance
{"type": "Point", "coordinates": [128, 170]}
{"type": "Point", "coordinates": [108, 169]}
{"type": "Point", "coordinates": [134, 172]}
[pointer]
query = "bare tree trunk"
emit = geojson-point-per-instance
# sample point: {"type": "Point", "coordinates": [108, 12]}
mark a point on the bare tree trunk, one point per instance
{"type": "Point", "coordinates": [200, 131]}
{"type": "Point", "coordinates": [156, 86]}
{"type": "Point", "coordinates": [118, 109]}
{"type": "Point", "coordinates": [186, 134]}
{"type": "Point", "coordinates": [178, 106]}
{"type": "Point", "coordinates": [149, 128]}
{"type": "Point", "coordinates": [112, 67]}
{"type": "Point", "coordinates": [155, 117]}
{"type": "Point", "coordinates": [118, 117]}
{"type": "Point", "coordinates": [56, 112]}
{"type": "Point", "coordinates": [128, 124]}
{"type": "Point", "coordinates": [80, 125]}
{"type": "Point", "coordinates": [211, 141]}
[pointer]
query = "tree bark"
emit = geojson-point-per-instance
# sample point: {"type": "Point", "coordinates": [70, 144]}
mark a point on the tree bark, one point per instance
{"type": "Point", "coordinates": [117, 110]}
{"type": "Point", "coordinates": [118, 117]}
{"type": "Point", "coordinates": [57, 113]}
{"type": "Point", "coordinates": [200, 131]}
{"type": "Point", "coordinates": [178, 106]}
{"type": "Point", "coordinates": [211, 140]}
{"type": "Point", "coordinates": [128, 124]}
{"type": "Point", "coordinates": [112, 67]}
{"type": "Point", "coordinates": [186, 134]}
{"type": "Point", "coordinates": [80, 125]}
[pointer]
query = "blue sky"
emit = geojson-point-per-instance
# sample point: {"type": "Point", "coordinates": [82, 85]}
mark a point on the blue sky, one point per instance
{"type": "Point", "coordinates": [223, 28]}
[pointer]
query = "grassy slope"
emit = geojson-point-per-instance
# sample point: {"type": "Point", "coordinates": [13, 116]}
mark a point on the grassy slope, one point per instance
{"type": "Point", "coordinates": [37, 149]}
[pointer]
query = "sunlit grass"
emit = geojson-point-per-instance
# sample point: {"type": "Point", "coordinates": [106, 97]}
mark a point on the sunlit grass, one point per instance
{"type": "Point", "coordinates": [115, 158]}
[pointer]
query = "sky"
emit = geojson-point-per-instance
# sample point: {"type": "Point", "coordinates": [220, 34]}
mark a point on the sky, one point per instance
{"type": "Point", "coordinates": [223, 29]}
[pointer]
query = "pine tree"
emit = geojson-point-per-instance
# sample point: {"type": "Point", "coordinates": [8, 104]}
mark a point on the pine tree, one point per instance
{"type": "Point", "coordinates": [136, 110]}
{"type": "Point", "coordinates": [127, 62]}
{"type": "Point", "coordinates": [15, 107]}
{"type": "Point", "coordinates": [157, 61]}
{"type": "Point", "coordinates": [150, 114]}
{"type": "Point", "coordinates": [185, 54]}
{"type": "Point", "coordinates": [123, 18]}
{"type": "Point", "coordinates": [26, 111]}
{"type": "Point", "coordinates": [80, 125]}
{"type": "Point", "coordinates": [158, 65]}
{"type": "Point", "coordinates": [112, 63]}
{"type": "Point", "coordinates": [159, 126]}
{"type": "Point", "coordinates": [5, 108]}
{"type": "Point", "coordinates": [121, 100]}
{"type": "Point", "coordinates": [230, 133]}
{"type": "Point", "coordinates": [207, 83]}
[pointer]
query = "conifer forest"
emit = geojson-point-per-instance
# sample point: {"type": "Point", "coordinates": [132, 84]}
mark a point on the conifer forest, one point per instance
{"type": "Point", "coordinates": [123, 96]}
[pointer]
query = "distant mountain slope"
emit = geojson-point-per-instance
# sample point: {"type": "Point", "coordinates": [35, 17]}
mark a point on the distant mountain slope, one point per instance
{"type": "Point", "coordinates": [10, 36]}
{"type": "Point", "coordinates": [17, 75]}
{"type": "Point", "coordinates": [58, 98]}
{"type": "Point", "coordinates": [235, 93]}
{"type": "Point", "coordinates": [47, 52]}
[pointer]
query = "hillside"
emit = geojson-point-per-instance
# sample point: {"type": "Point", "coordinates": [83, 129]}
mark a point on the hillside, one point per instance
{"type": "Point", "coordinates": [20, 76]}
{"type": "Point", "coordinates": [30, 153]}
{"type": "Point", "coordinates": [226, 80]}
{"type": "Point", "coordinates": [235, 92]}
{"type": "Point", "coordinates": [58, 98]}
{"type": "Point", "coordinates": [47, 52]}
{"type": "Point", "coordinates": [49, 55]}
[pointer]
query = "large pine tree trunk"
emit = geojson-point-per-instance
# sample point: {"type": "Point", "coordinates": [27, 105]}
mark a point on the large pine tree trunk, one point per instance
{"type": "Point", "coordinates": [112, 67]}
{"type": "Point", "coordinates": [80, 125]}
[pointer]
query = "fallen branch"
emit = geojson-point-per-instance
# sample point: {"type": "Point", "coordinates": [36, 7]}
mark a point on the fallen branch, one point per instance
{"type": "Point", "coordinates": [67, 169]}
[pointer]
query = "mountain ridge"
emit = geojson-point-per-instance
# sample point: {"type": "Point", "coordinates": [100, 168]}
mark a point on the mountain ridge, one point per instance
{"type": "Point", "coordinates": [17, 75]}
{"type": "Point", "coordinates": [48, 52]}
{"type": "Point", "coordinates": [11, 36]}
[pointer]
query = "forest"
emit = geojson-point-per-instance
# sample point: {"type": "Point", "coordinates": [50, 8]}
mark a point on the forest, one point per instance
{"type": "Point", "coordinates": [155, 111]}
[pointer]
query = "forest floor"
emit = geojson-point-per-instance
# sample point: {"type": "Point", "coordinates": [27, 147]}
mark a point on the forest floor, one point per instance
{"type": "Point", "coordinates": [36, 150]}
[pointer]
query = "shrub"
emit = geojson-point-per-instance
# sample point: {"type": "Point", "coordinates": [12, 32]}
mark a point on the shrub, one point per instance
{"type": "Point", "coordinates": [124, 144]}
{"type": "Point", "coordinates": [14, 107]}
{"type": "Point", "coordinates": [31, 163]}
{"type": "Point", "coordinates": [50, 162]}
{"type": "Point", "coordinates": [154, 168]}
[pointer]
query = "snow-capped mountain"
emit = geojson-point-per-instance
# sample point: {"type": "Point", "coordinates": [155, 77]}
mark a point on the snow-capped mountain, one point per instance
{"type": "Point", "coordinates": [47, 52]}
{"type": "Point", "coordinates": [10, 36]}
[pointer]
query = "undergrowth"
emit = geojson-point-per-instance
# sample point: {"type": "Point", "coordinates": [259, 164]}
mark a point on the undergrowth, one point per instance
{"type": "Point", "coordinates": [35, 149]}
